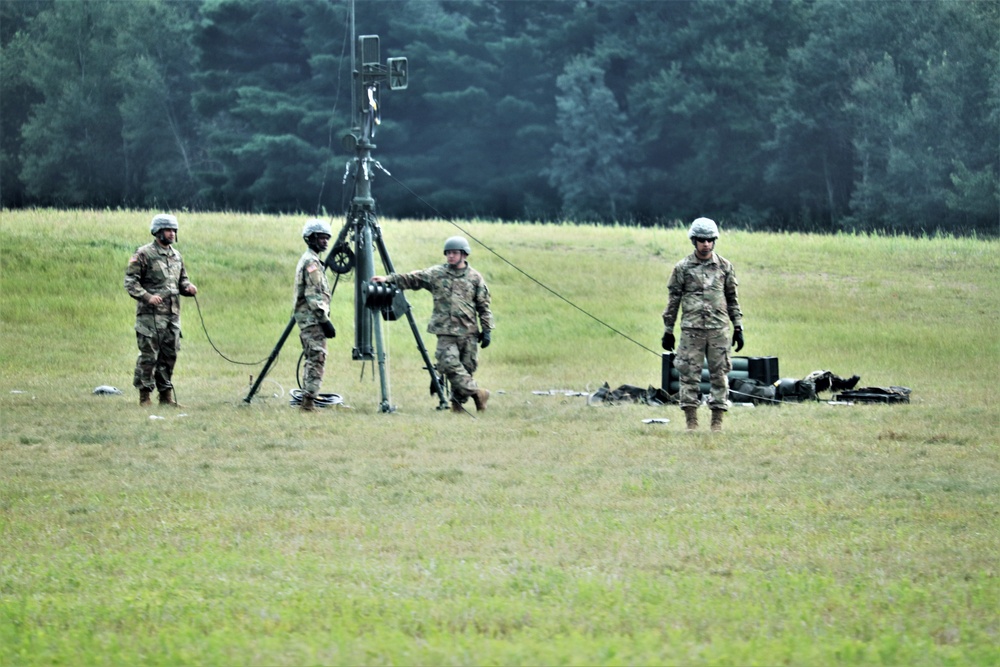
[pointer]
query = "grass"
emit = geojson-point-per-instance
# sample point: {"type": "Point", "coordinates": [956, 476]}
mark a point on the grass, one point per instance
{"type": "Point", "coordinates": [543, 532]}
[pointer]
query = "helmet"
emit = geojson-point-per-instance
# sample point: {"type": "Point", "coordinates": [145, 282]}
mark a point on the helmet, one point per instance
{"type": "Point", "coordinates": [703, 228]}
{"type": "Point", "coordinates": [457, 243]}
{"type": "Point", "coordinates": [162, 221]}
{"type": "Point", "coordinates": [316, 226]}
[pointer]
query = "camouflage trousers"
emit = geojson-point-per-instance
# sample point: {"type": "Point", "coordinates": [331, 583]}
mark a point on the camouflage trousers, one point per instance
{"type": "Point", "coordinates": [696, 347]}
{"type": "Point", "coordinates": [457, 359]}
{"type": "Point", "coordinates": [314, 362]}
{"type": "Point", "coordinates": [157, 356]}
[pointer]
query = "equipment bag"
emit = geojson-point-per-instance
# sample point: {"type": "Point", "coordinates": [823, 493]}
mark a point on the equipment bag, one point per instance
{"type": "Point", "coordinates": [891, 394]}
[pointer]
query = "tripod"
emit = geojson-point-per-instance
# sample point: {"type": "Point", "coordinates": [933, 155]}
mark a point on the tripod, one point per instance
{"type": "Point", "coordinates": [371, 300]}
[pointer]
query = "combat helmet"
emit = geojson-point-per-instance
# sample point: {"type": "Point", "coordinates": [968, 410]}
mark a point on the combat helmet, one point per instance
{"type": "Point", "coordinates": [457, 243]}
{"type": "Point", "coordinates": [162, 221]}
{"type": "Point", "coordinates": [703, 228]}
{"type": "Point", "coordinates": [316, 226]}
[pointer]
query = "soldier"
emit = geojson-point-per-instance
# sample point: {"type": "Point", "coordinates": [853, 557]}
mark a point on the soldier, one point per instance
{"type": "Point", "coordinates": [155, 277]}
{"type": "Point", "coordinates": [312, 309]}
{"type": "Point", "coordinates": [703, 286]}
{"type": "Point", "coordinates": [460, 296]}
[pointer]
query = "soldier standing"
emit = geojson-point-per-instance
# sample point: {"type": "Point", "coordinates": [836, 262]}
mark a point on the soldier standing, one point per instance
{"type": "Point", "coordinates": [312, 309]}
{"type": "Point", "coordinates": [155, 277]}
{"type": "Point", "coordinates": [460, 297]}
{"type": "Point", "coordinates": [703, 287]}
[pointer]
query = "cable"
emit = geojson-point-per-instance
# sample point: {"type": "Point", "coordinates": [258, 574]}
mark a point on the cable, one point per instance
{"type": "Point", "coordinates": [519, 270]}
{"type": "Point", "coordinates": [232, 361]}
{"type": "Point", "coordinates": [322, 400]}
{"type": "Point", "coordinates": [333, 114]}
{"type": "Point", "coordinates": [763, 399]}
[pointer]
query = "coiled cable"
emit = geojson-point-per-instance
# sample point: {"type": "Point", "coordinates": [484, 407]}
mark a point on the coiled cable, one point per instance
{"type": "Point", "coordinates": [321, 400]}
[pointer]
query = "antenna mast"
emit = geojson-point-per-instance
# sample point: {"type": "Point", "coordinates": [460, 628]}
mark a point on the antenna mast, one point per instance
{"type": "Point", "coordinates": [354, 68]}
{"type": "Point", "coordinates": [372, 302]}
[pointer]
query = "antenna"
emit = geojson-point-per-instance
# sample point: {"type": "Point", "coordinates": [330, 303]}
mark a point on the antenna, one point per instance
{"type": "Point", "coordinates": [372, 302]}
{"type": "Point", "coordinates": [354, 68]}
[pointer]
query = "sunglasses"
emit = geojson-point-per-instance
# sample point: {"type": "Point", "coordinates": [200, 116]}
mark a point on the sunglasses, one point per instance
{"type": "Point", "coordinates": [701, 239]}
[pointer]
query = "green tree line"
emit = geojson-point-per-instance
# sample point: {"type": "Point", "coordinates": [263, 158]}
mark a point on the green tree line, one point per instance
{"type": "Point", "coordinates": [816, 115]}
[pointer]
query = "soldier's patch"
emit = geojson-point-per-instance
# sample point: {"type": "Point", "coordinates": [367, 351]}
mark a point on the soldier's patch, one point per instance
{"type": "Point", "coordinates": [311, 268]}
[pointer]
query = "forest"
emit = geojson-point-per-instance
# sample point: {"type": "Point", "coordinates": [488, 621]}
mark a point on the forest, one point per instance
{"type": "Point", "coordinates": [797, 115]}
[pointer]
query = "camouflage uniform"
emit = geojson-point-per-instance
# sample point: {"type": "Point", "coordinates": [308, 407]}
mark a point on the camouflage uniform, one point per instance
{"type": "Point", "coordinates": [460, 296]}
{"type": "Point", "coordinates": [705, 292]}
{"type": "Point", "coordinates": [156, 270]}
{"type": "Point", "coordinates": [312, 306]}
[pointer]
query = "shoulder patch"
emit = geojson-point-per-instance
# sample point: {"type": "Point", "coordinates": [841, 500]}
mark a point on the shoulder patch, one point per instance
{"type": "Point", "coordinates": [311, 268]}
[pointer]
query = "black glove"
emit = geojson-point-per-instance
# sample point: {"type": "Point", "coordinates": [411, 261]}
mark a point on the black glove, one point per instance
{"type": "Point", "coordinates": [484, 339]}
{"type": "Point", "coordinates": [668, 341]}
{"type": "Point", "coordinates": [738, 338]}
{"type": "Point", "coordinates": [328, 329]}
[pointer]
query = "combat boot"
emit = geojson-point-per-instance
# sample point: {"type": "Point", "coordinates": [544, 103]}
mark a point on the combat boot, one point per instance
{"type": "Point", "coordinates": [167, 397]}
{"type": "Point", "coordinates": [144, 400]}
{"type": "Point", "coordinates": [717, 419]}
{"type": "Point", "coordinates": [456, 406]}
{"type": "Point", "coordinates": [691, 417]}
{"type": "Point", "coordinates": [480, 397]}
{"type": "Point", "coordinates": [308, 403]}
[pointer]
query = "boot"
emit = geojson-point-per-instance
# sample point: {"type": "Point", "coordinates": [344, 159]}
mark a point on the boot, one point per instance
{"type": "Point", "coordinates": [308, 403]}
{"type": "Point", "coordinates": [144, 400]}
{"type": "Point", "coordinates": [167, 397]}
{"type": "Point", "coordinates": [691, 417]}
{"type": "Point", "coordinates": [456, 406]}
{"type": "Point", "coordinates": [717, 419]}
{"type": "Point", "coordinates": [480, 397]}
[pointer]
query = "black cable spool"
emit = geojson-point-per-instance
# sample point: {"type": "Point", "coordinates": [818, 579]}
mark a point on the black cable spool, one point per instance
{"type": "Point", "coordinates": [380, 295]}
{"type": "Point", "coordinates": [341, 259]}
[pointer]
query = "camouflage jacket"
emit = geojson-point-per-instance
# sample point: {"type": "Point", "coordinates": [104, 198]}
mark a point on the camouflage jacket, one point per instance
{"type": "Point", "coordinates": [704, 292]}
{"type": "Point", "coordinates": [312, 291]}
{"type": "Point", "coordinates": [460, 295]}
{"type": "Point", "coordinates": [155, 270]}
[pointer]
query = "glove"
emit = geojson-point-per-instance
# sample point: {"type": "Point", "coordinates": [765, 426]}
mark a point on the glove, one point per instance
{"type": "Point", "coordinates": [484, 339]}
{"type": "Point", "coordinates": [738, 338]}
{"type": "Point", "coordinates": [668, 341]}
{"type": "Point", "coordinates": [328, 329]}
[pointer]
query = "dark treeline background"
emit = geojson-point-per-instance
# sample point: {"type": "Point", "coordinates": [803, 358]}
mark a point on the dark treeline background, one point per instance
{"type": "Point", "coordinates": [815, 115]}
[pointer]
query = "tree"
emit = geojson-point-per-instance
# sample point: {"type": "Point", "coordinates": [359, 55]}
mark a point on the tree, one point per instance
{"type": "Point", "coordinates": [590, 167]}
{"type": "Point", "coordinates": [974, 175]}
{"type": "Point", "coordinates": [882, 113]}
{"type": "Point", "coordinates": [479, 112]}
{"type": "Point", "coordinates": [72, 148]}
{"type": "Point", "coordinates": [798, 114]}
{"type": "Point", "coordinates": [265, 108]}
{"type": "Point", "coordinates": [17, 94]}
{"type": "Point", "coordinates": [918, 122]}
{"type": "Point", "coordinates": [810, 152]}
{"type": "Point", "coordinates": [159, 130]}
{"type": "Point", "coordinates": [876, 103]}
{"type": "Point", "coordinates": [703, 81]}
{"type": "Point", "coordinates": [110, 112]}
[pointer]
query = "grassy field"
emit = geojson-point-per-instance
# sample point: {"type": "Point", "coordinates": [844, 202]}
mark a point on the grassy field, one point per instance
{"type": "Point", "coordinates": [545, 531]}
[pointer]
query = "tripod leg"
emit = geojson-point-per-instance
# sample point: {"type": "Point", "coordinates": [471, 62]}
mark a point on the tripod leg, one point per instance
{"type": "Point", "coordinates": [384, 406]}
{"type": "Point", "coordinates": [428, 364]}
{"type": "Point", "coordinates": [270, 360]}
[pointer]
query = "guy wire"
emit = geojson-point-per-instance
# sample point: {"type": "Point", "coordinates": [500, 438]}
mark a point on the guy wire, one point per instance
{"type": "Point", "coordinates": [348, 35]}
{"type": "Point", "coordinates": [521, 271]}
{"type": "Point", "coordinates": [232, 361]}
